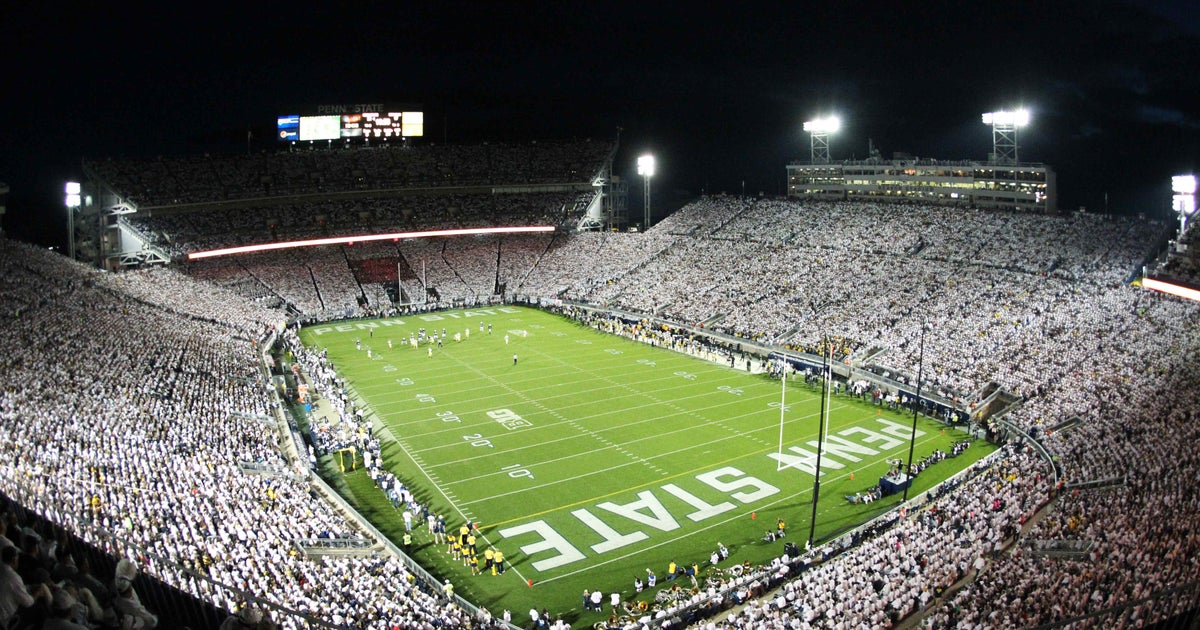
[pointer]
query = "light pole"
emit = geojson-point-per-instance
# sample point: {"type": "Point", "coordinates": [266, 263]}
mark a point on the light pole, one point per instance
{"type": "Point", "coordinates": [827, 374]}
{"type": "Point", "coordinates": [820, 129]}
{"type": "Point", "coordinates": [645, 168]}
{"type": "Point", "coordinates": [72, 200]}
{"type": "Point", "coordinates": [912, 437]}
{"type": "Point", "coordinates": [1004, 133]}
{"type": "Point", "coordinates": [1183, 201]}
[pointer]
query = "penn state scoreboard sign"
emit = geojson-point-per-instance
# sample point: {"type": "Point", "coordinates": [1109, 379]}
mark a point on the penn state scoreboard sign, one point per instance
{"type": "Point", "coordinates": [362, 121]}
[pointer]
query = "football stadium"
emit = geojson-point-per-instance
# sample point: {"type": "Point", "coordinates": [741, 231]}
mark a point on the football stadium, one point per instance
{"type": "Point", "coordinates": [418, 385]}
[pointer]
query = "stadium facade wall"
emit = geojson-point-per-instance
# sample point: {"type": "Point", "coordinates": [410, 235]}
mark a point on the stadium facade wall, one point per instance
{"type": "Point", "coordinates": [1023, 187]}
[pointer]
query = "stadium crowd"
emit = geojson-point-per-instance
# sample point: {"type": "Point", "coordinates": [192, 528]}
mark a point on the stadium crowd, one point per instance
{"type": "Point", "coordinates": [887, 577]}
{"type": "Point", "coordinates": [127, 422]}
{"type": "Point", "coordinates": [310, 169]}
{"type": "Point", "coordinates": [800, 287]}
{"type": "Point", "coordinates": [132, 398]}
{"type": "Point", "coordinates": [186, 232]}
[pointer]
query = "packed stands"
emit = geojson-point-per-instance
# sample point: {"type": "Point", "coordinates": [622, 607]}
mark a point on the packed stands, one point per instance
{"type": "Point", "coordinates": [103, 365]}
{"type": "Point", "coordinates": [307, 170]}
{"type": "Point", "coordinates": [184, 233]}
{"type": "Point", "coordinates": [128, 414]}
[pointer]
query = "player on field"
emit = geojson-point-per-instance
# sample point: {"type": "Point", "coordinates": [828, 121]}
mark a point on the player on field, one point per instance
{"type": "Point", "coordinates": [439, 533]}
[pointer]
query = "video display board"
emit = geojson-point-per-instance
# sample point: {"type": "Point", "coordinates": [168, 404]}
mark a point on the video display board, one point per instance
{"type": "Point", "coordinates": [366, 121]}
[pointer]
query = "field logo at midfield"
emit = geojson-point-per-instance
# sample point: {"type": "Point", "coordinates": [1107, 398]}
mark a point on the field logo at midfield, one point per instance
{"type": "Point", "coordinates": [509, 419]}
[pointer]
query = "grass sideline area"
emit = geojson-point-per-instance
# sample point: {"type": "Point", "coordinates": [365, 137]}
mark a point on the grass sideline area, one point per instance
{"type": "Point", "coordinates": [588, 458]}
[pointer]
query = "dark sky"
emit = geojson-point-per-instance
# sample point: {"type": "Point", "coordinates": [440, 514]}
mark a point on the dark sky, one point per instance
{"type": "Point", "coordinates": [718, 91]}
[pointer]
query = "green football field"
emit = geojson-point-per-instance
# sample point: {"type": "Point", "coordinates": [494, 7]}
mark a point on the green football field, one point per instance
{"type": "Point", "coordinates": [588, 458]}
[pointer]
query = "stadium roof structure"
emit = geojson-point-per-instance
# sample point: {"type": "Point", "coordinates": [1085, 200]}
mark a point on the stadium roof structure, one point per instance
{"type": "Point", "coordinates": [1017, 186]}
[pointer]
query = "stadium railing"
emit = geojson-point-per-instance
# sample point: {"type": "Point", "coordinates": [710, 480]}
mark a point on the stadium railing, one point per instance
{"type": "Point", "coordinates": [1055, 466]}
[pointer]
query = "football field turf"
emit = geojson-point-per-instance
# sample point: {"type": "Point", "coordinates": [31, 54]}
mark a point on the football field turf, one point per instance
{"type": "Point", "coordinates": [588, 458]}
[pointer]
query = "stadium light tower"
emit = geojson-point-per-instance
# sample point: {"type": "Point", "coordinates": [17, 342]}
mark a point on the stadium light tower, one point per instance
{"type": "Point", "coordinates": [645, 168]}
{"type": "Point", "coordinates": [819, 130]}
{"type": "Point", "coordinates": [1183, 199]}
{"type": "Point", "coordinates": [1004, 133]}
{"type": "Point", "coordinates": [73, 199]}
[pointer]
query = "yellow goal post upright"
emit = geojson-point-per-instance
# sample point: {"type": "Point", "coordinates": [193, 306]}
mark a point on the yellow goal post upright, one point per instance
{"type": "Point", "coordinates": [341, 453]}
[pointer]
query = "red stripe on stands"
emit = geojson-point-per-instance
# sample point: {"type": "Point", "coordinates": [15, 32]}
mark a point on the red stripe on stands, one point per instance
{"type": "Point", "coordinates": [1173, 289]}
{"type": "Point", "coordinates": [340, 240]}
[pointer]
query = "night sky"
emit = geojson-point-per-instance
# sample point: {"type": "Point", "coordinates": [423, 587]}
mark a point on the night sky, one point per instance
{"type": "Point", "coordinates": [717, 91]}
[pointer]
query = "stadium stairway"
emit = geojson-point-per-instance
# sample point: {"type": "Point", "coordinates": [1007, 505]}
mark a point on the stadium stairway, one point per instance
{"type": "Point", "coordinates": [787, 334]}
{"type": "Point", "coordinates": [346, 257]}
{"type": "Point", "coordinates": [537, 261]}
{"type": "Point", "coordinates": [712, 321]}
{"type": "Point", "coordinates": [316, 286]}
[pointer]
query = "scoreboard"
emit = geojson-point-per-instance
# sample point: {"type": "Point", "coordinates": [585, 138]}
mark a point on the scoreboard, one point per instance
{"type": "Point", "coordinates": [368, 121]}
